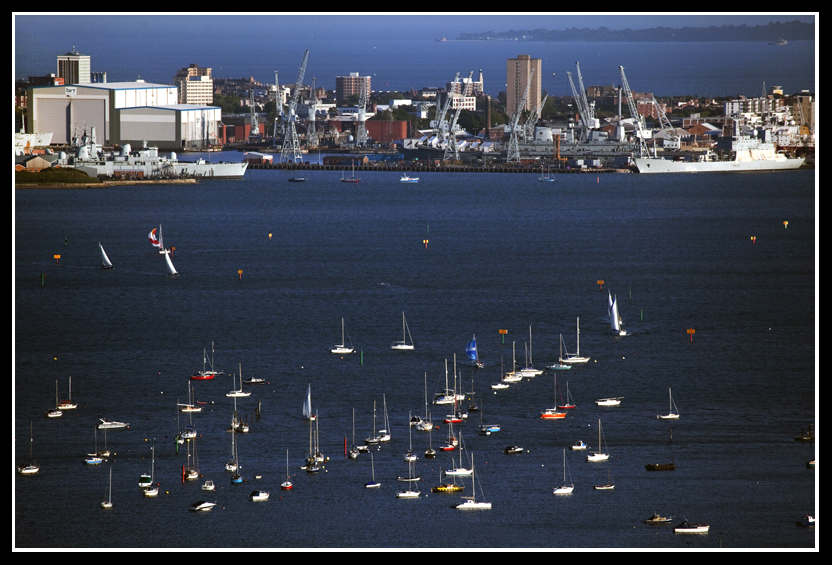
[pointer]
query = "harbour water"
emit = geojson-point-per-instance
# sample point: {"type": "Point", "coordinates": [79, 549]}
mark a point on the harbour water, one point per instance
{"type": "Point", "coordinates": [267, 270]}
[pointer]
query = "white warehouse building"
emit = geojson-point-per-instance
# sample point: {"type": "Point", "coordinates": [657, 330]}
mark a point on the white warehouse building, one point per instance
{"type": "Point", "coordinates": [122, 112]}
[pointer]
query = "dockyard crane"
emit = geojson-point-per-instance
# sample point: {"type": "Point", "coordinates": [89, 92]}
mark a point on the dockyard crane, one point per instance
{"type": "Point", "coordinates": [592, 122]}
{"type": "Point", "coordinates": [638, 121]}
{"type": "Point", "coordinates": [578, 103]}
{"type": "Point", "coordinates": [671, 139]}
{"type": "Point", "coordinates": [439, 123]}
{"type": "Point", "coordinates": [513, 153]}
{"type": "Point", "coordinates": [451, 148]}
{"type": "Point", "coordinates": [532, 121]}
{"type": "Point", "coordinates": [254, 133]}
{"type": "Point", "coordinates": [361, 129]}
{"type": "Point", "coordinates": [291, 145]}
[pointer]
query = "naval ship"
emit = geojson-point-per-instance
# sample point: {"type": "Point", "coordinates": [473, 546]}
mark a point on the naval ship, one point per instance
{"type": "Point", "coordinates": [146, 162]}
{"type": "Point", "coordinates": [741, 152]}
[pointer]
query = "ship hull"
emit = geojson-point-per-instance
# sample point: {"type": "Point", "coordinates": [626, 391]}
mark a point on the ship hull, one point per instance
{"type": "Point", "coordinates": [658, 165]}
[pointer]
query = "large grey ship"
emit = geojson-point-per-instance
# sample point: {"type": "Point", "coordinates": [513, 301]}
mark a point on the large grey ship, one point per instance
{"type": "Point", "coordinates": [144, 163]}
{"type": "Point", "coordinates": [741, 152]}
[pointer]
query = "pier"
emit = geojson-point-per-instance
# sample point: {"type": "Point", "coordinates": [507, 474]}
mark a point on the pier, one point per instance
{"type": "Point", "coordinates": [428, 168]}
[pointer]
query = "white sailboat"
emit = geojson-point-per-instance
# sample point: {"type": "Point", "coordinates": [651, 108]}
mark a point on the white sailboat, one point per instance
{"type": "Point", "coordinates": [609, 486]}
{"type": "Point", "coordinates": [410, 456]}
{"type": "Point", "coordinates": [29, 468]}
{"type": "Point", "coordinates": [471, 501]}
{"type": "Point", "coordinates": [459, 471]}
{"type": "Point", "coordinates": [67, 404]}
{"type": "Point", "coordinates": [238, 393]}
{"type": "Point", "coordinates": [565, 488]}
{"type": "Point", "coordinates": [403, 345]}
{"type": "Point", "coordinates": [109, 502]}
{"type": "Point", "coordinates": [615, 318]}
{"type": "Point", "coordinates": [673, 412]}
{"type": "Point", "coordinates": [342, 348]}
{"type": "Point", "coordinates": [598, 455]}
{"type": "Point", "coordinates": [577, 357]}
{"type": "Point", "coordinates": [425, 425]}
{"type": "Point", "coordinates": [146, 482]}
{"type": "Point", "coordinates": [411, 491]}
{"type": "Point", "coordinates": [529, 370]}
{"type": "Point", "coordinates": [384, 434]}
{"type": "Point", "coordinates": [105, 261]}
{"type": "Point", "coordinates": [54, 412]}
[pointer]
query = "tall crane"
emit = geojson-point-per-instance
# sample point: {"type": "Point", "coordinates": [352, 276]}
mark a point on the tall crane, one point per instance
{"type": "Point", "coordinates": [291, 145]}
{"type": "Point", "coordinates": [451, 148]}
{"type": "Point", "coordinates": [439, 123]}
{"type": "Point", "coordinates": [533, 117]}
{"type": "Point", "coordinates": [671, 139]}
{"type": "Point", "coordinates": [592, 121]}
{"type": "Point", "coordinates": [361, 129]}
{"type": "Point", "coordinates": [638, 120]}
{"type": "Point", "coordinates": [513, 153]}
{"type": "Point", "coordinates": [254, 133]}
{"type": "Point", "coordinates": [278, 120]}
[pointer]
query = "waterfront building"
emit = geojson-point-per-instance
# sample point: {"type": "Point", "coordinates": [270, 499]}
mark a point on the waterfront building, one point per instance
{"type": "Point", "coordinates": [74, 67]}
{"type": "Point", "coordinates": [122, 112]}
{"type": "Point", "coordinates": [346, 86]}
{"type": "Point", "coordinates": [195, 85]}
{"type": "Point", "coordinates": [517, 77]}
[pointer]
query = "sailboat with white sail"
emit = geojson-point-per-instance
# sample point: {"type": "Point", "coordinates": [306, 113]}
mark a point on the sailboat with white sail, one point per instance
{"type": "Point", "coordinates": [307, 405]}
{"type": "Point", "coordinates": [529, 370]}
{"type": "Point", "coordinates": [105, 261]}
{"type": "Point", "coordinates": [342, 348]}
{"type": "Point", "coordinates": [598, 455]}
{"type": "Point", "coordinates": [577, 357]}
{"type": "Point", "coordinates": [565, 488]}
{"type": "Point", "coordinates": [615, 319]}
{"type": "Point", "coordinates": [673, 412]}
{"type": "Point", "coordinates": [403, 345]}
{"type": "Point", "coordinates": [169, 264]}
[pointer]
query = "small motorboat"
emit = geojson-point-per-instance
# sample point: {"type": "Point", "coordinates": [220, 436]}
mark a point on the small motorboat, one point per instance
{"type": "Point", "coordinates": [691, 528]}
{"type": "Point", "coordinates": [657, 520]}
{"type": "Point", "coordinates": [209, 485]}
{"type": "Point", "coordinates": [408, 179]}
{"type": "Point", "coordinates": [609, 401]}
{"type": "Point", "coordinates": [202, 506]}
{"type": "Point", "coordinates": [578, 445]}
{"type": "Point", "coordinates": [447, 487]}
{"type": "Point", "coordinates": [513, 449]}
{"type": "Point", "coordinates": [661, 467]}
{"type": "Point", "coordinates": [297, 179]}
{"type": "Point", "coordinates": [111, 424]}
{"type": "Point", "coordinates": [258, 495]}
{"type": "Point", "coordinates": [808, 520]}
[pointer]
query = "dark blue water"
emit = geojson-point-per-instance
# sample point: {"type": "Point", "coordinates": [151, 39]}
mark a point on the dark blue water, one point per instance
{"type": "Point", "coordinates": [503, 252]}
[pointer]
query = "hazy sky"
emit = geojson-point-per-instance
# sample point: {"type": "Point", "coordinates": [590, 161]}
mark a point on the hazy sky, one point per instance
{"type": "Point", "coordinates": [402, 24]}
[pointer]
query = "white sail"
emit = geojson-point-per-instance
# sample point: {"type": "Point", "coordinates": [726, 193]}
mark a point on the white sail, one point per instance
{"type": "Point", "coordinates": [171, 269]}
{"type": "Point", "coordinates": [614, 323]}
{"type": "Point", "coordinates": [307, 404]}
{"type": "Point", "coordinates": [105, 261]}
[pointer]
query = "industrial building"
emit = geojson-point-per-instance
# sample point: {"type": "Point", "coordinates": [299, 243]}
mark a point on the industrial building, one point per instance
{"type": "Point", "coordinates": [122, 112]}
{"type": "Point", "coordinates": [74, 67]}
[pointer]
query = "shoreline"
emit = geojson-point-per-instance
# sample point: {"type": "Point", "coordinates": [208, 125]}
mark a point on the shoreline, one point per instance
{"type": "Point", "coordinates": [105, 184]}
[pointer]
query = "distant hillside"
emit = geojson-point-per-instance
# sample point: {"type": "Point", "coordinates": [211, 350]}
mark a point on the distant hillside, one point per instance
{"type": "Point", "coordinates": [790, 31]}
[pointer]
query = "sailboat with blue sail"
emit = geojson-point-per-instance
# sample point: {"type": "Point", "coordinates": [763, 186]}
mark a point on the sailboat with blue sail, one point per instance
{"type": "Point", "coordinates": [471, 350]}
